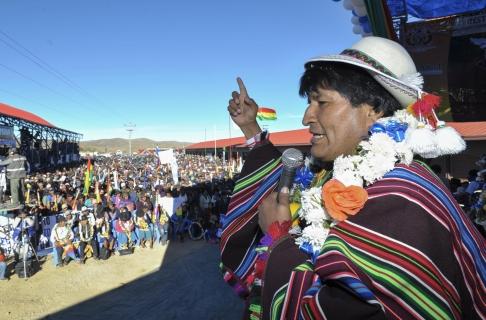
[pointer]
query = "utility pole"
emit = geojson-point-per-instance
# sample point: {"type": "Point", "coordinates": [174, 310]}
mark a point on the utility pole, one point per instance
{"type": "Point", "coordinates": [130, 127]}
{"type": "Point", "coordinates": [214, 136]}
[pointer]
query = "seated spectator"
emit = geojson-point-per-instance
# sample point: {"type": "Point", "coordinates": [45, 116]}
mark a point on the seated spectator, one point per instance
{"type": "Point", "coordinates": [62, 239]}
{"type": "Point", "coordinates": [162, 225]}
{"type": "Point", "coordinates": [475, 181]}
{"type": "Point", "coordinates": [85, 211]}
{"type": "Point", "coordinates": [3, 264]}
{"type": "Point", "coordinates": [178, 222]}
{"type": "Point", "coordinates": [124, 227]}
{"type": "Point", "coordinates": [461, 195]}
{"type": "Point", "coordinates": [143, 223]}
{"type": "Point", "coordinates": [105, 239]}
{"type": "Point", "coordinates": [87, 239]}
{"type": "Point", "coordinates": [72, 221]}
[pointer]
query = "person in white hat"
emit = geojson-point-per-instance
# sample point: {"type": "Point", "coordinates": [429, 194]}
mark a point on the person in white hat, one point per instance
{"type": "Point", "coordinates": [365, 231]}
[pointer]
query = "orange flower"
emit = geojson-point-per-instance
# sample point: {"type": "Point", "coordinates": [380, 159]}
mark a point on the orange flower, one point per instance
{"type": "Point", "coordinates": [341, 201]}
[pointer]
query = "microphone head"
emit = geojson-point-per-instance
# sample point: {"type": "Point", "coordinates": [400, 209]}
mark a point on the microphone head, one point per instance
{"type": "Point", "coordinates": [292, 158]}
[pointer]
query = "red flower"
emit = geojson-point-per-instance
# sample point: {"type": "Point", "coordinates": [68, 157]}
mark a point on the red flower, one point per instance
{"type": "Point", "coordinates": [341, 201]}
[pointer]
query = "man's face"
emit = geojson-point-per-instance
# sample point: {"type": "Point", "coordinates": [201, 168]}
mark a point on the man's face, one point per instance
{"type": "Point", "coordinates": [337, 127]}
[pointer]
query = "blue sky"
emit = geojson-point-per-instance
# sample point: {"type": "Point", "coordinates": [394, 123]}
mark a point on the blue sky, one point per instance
{"type": "Point", "coordinates": [167, 66]}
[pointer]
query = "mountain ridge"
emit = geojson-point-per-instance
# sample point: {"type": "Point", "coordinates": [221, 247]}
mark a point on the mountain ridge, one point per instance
{"type": "Point", "coordinates": [115, 144]}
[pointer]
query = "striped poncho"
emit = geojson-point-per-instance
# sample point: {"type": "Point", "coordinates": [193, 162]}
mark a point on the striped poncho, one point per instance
{"type": "Point", "coordinates": [410, 253]}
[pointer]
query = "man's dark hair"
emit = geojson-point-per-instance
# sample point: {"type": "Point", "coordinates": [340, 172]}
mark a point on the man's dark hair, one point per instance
{"type": "Point", "coordinates": [353, 83]}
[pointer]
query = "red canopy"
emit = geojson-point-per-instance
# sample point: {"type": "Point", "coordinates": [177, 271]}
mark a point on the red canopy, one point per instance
{"type": "Point", "coordinates": [10, 111]}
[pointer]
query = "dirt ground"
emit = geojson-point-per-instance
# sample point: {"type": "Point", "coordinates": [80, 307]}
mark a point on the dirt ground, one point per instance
{"type": "Point", "coordinates": [179, 281]}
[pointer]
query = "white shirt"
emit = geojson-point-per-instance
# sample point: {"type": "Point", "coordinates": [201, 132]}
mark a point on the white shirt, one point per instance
{"type": "Point", "coordinates": [59, 233]}
{"type": "Point", "coordinates": [167, 203]}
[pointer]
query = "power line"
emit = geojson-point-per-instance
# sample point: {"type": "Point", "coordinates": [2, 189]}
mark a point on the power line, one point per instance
{"type": "Point", "coordinates": [50, 89]}
{"type": "Point", "coordinates": [51, 70]}
{"type": "Point", "coordinates": [46, 68]}
{"type": "Point", "coordinates": [35, 102]}
{"type": "Point", "coordinates": [38, 83]}
{"type": "Point", "coordinates": [43, 64]}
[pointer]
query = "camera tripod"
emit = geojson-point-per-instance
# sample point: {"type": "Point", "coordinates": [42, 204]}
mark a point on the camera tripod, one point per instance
{"type": "Point", "coordinates": [24, 246]}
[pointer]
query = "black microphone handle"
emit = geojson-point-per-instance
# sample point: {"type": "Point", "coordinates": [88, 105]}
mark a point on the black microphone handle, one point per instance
{"type": "Point", "coordinates": [286, 178]}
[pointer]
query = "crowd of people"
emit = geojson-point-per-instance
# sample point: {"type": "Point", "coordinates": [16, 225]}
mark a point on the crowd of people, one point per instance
{"type": "Point", "coordinates": [115, 204]}
{"type": "Point", "coordinates": [470, 193]}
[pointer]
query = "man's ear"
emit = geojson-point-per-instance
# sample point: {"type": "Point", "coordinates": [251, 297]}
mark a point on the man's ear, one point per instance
{"type": "Point", "coordinates": [371, 115]}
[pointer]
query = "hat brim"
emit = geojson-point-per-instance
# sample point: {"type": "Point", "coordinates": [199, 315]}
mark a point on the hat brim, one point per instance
{"type": "Point", "coordinates": [404, 93]}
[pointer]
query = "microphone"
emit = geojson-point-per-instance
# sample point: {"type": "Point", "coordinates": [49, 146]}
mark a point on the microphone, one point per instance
{"type": "Point", "coordinates": [291, 159]}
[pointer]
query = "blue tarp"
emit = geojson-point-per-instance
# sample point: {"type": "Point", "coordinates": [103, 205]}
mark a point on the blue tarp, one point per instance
{"type": "Point", "coordinates": [426, 9]}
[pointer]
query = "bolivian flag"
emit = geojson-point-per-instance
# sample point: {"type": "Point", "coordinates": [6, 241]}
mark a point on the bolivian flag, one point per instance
{"type": "Point", "coordinates": [266, 114]}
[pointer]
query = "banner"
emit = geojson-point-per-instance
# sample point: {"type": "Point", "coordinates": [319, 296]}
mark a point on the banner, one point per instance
{"type": "Point", "coordinates": [427, 9]}
{"type": "Point", "coordinates": [174, 168]}
{"type": "Point", "coordinates": [7, 136]}
{"type": "Point", "coordinates": [7, 242]}
{"type": "Point", "coordinates": [450, 53]}
{"type": "Point", "coordinates": [166, 156]}
{"type": "Point", "coordinates": [428, 44]}
{"type": "Point", "coordinates": [115, 180]}
{"type": "Point", "coordinates": [467, 68]}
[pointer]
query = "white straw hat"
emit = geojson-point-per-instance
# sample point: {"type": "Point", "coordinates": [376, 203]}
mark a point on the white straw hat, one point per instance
{"type": "Point", "coordinates": [389, 64]}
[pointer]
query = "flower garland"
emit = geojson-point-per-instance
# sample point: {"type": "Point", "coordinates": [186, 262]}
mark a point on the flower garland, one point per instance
{"type": "Point", "coordinates": [318, 202]}
{"type": "Point", "coordinates": [392, 140]}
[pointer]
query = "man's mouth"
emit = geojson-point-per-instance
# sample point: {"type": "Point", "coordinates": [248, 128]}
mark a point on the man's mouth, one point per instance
{"type": "Point", "coordinates": [316, 137]}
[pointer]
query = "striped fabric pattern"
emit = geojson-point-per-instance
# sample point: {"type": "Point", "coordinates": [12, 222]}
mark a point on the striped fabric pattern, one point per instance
{"type": "Point", "coordinates": [389, 272]}
{"type": "Point", "coordinates": [240, 224]}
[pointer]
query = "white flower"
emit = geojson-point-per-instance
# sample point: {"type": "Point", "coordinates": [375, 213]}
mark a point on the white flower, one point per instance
{"type": "Point", "coordinates": [295, 230]}
{"type": "Point", "coordinates": [311, 209]}
{"type": "Point", "coordinates": [315, 234]}
{"type": "Point", "coordinates": [349, 178]}
{"type": "Point", "coordinates": [381, 143]}
{"type": "Point", "coordinates": [375, 166]}
{"type": "Point", "coordinates": [307, 162]}
{"type": "Point", "coordinates": [311, 198]}
{"type": "Point", "coordinates": [405, 155]}
{"type": "Point", "coordinates": [405, 117]}
{"type": "Point", "coordinates": [317, 215]}
{"type": "Point", "coordinates": [345, 163]}
{"type": "Point", "coordinates": [346, 170]}
{"type": "Point", "coordinates": [377, 156]}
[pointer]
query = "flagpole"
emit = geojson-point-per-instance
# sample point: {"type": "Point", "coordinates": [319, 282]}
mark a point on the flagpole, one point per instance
{"type": "Point", "coordinates": [229, 131]}
{"type": "Point", "coordinates": [214, 136]}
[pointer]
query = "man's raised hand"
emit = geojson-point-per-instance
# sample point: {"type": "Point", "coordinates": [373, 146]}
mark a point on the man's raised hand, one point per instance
{"type": "Point", "coordinates": [243, 111]}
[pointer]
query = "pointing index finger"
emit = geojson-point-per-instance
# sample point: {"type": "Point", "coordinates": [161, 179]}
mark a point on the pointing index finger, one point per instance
{"type": "Point", "coordinates": [243, 92]}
